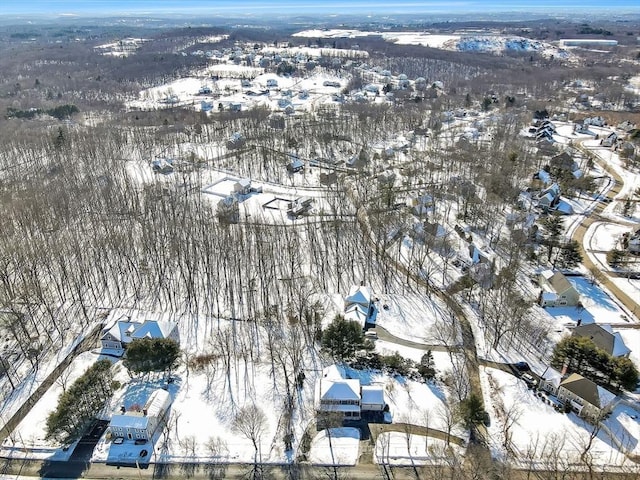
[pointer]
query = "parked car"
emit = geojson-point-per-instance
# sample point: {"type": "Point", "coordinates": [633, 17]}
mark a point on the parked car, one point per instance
{"type": "Point", "coordinates": [522, 366]}
{"type": "Point", "coordinates": [371, 334]}
{"type": "Point", "coordinates": [486, 419]}
{"type": "Point", "coordinates": [529, 380]}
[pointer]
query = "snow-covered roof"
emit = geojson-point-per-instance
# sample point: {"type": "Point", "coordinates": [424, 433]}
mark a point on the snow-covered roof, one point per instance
{"type": "Point", "coordinates": [356, 312]}
{"type": "Point", "coordinates": [130, 420]}
{"type": "Point", "coordinates": [373, 395]}
{"type": "Point", "coordinates": [154, 329]}
{"type": "Point", "coordinates": [361, 295]}
{"type": "Point", "coordinates": [549, 296]}
{"type": "Point", "coordinates": [158, 403]}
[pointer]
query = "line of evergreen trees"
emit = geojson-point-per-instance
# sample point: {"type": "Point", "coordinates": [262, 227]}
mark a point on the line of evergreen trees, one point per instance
{"type": "Point", "coordinates": [60, 112]}
{"type": "Point", "coordinates": [583, 356]}
{"type": "Point", "coordinates": [81, 402]}
{"type": "Point", "coordinates": [146, 355]}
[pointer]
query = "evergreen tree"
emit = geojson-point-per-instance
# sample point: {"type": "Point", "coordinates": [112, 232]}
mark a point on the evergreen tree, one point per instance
{"type": "Point", "coordinates": [554, 225]}
{"type": "Point", "coordinates": [343, 338]}
{"type": "Point", "coordinates": [145, 355]}
{"type": "Point", "coordinates": [471, 411]}
{"type": "Point", "coordinates": [570, 255]}
{"type": "Point", "coordinates": [427, 369]}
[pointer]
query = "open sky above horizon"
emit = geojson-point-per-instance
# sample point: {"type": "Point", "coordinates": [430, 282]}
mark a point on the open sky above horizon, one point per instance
{"type": "Point", "coordinates": [302, 7]}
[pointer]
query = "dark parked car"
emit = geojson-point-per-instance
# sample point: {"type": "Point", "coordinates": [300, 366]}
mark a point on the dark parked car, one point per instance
{"type": "Point", "coordinates": [522, 366]}
{"type": "Point", "coordinates": [485, 418]}
{"type": "Point", "coordinates": [140, 441]}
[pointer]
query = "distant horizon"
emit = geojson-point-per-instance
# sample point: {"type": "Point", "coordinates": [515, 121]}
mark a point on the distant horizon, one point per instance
{"type": "Point", "coordinates": [86, 8]}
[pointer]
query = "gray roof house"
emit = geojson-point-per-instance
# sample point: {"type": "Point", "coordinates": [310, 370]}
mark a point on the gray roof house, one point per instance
{"type": "Point", "coordinates": [604, 338]}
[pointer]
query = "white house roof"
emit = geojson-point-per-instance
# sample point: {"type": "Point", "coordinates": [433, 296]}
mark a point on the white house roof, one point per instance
{"type": "Point", "coordinates": [130, 421]}
{"type": "Point", "coordinates": [244, 182]}
{"type": "Point", "coordinates": [356, 312]}
{"type": "Point", "coordinates": [549, 296]}
{"type": "Point", "coordinates": [158, 403]}
{"type": "Point", "coordinates": [619, 348]}
{"type": "Point", "coordinates": [339, 389]}
{"type": "Point", "coordinates": [373, 395]}
{"type": "Point", "coordinates": [121, 330]}
{"type": "Point", "coordinates": [361, 295]}
{"type": "Point", "coordinates": [154, 329]}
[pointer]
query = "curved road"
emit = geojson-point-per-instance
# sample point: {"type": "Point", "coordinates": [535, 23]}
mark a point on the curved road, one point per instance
{"type": "Point", "coordinates": [579, 235]}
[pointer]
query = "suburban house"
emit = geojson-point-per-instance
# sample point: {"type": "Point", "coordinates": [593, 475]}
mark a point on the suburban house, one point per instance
{"type": "Point", "coordinates": [564, 162]}
{"type": "Point", "coordinates": [348, 397]}
{"type": "Point", "coordinates": [604, 338]}
{"type": "Point", "coordinates": [585, 397]}
{"type": "Point", "coordinates": [610, 141]}
{"type": "Point", "coordinates": [557, 291]}
{"type": "Point", "coordinates": [420, 202]}
{"type": "Point", "coordinates": [550, 197]}
{"type": "Point", "coordinates": [550, 381]}
{"type": "Point", "coordinates": [162, 165]}
{"type": "Point", "coordinates": [242, 186]}
{"type": "Point", "coordinates": [126, 329]}
{"type": "Point", "coordinates": [142, 425]}
{"type": "Point", "coordinates": [358, 305]}
{"type": "Point", "coordinates": [295, 165]}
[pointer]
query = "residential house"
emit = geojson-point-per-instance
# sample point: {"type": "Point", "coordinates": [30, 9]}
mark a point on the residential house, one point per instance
{"type": "Point", "coordinates": [358, 304]}
{"type": "Point", "coordinates": [162, 165]}
{"type": "Point", "coordinates": [564, 162]}
{"type": "Point", "coordinates": [610, 140]}
{"type": "Point", "coordinates": [125, 330]}
{"type": "Point", "coordinates": [295, 165]}
{"type": "Point", "coordinates": [420, 202]}
{"type": "Point", "coordinates": [604, 338]}
{"type": "Point", "coordinates": [550, 197]}
{"type": "Point", "coordinates": [550, 381]}
{"type": "Point", "coordinates": [585, 397]}
{"type": "Point", "coordinates": [142, 425]}
{"type": "Point", "coordinates": [348, 397]}
{"type": "Point", "coordinates": [242, 186]}
{"type": "Point", "coordinates": [557, 291]}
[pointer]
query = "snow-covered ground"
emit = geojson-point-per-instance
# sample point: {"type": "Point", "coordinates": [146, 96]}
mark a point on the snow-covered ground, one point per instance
{"type": "Point", "coordinates": [599, 307]}
{"type": "Point", "coordinates": [538, 433]}
{"type": "Point", "coordinates": [398, 448]}
{"type": "Point", "coordinates": [30, 433]}
{"type": "Point", "coordinates": [335, 446]}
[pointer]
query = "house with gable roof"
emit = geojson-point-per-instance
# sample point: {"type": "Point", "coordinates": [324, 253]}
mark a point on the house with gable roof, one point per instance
{"type": "Point", "coordinates": [557, 291]}
{"type": "Point", "coordinates": [358, 304]}
{"type": "Point", "coordinates": [334, 393]}
{"type": "Point", "coordinates": [127, 328]}
{"type": "Point", "coordinates": [604, 338]}
{"type": "Point", "coordinates": [142, 425]}
{"type": "Point", "coordinates": [585, 397]}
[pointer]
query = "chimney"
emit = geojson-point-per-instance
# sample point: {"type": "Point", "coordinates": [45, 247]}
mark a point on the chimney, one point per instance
{"type": "Point", "coordinates": [122, 409]}
{"type": "Point", "coordinates": [144, 412]}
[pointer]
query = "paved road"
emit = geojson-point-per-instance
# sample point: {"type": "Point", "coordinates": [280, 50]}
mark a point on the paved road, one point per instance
{"type": "Point", "coordinates": [603, 277]}
{"type": "Point", "coordinates": [384, 334]}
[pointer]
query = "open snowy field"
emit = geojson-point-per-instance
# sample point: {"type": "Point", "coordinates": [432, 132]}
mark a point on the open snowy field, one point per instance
{"type": "Point", "coordinates": [335, 446]}
{"type": "Point", "coordinates": [398, 448]}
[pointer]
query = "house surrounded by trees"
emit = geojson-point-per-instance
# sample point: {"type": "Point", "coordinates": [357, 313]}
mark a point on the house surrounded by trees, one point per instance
{"type": "Point", "coordinates": [128, 328]}
{"type": "Point", "coordinates": [557, 291]}
{"type": "Point", "coordinates": [585, 397]}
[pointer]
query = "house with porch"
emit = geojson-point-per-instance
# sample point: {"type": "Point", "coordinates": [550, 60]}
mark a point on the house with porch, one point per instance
{"type": "Point", "coordinates": [586, 398]}
{"type": "Point", "coordinates": [346, 396]}
{"type": "Point", "coordinates": [557, 291]}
